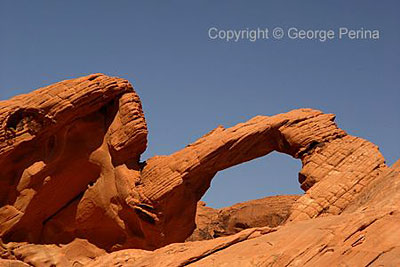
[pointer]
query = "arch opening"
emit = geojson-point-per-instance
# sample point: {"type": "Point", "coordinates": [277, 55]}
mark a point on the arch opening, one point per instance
{"type": "Point", "coordinates": [271, 175]}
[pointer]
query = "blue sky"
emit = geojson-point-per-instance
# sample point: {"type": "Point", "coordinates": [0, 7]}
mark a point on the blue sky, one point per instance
{"type": "Point", "coordinates": [190, 84]}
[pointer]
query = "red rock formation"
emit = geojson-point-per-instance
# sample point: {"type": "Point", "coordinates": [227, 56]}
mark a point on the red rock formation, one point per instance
{"type": "Point", "coordinates": [336, 167]}
{"type": "Point", "coordinates": [69, 156]}
{"type": "Point", "coordinates": [71, 170]}
{"type": "Point", "coordinates": [269, 211]}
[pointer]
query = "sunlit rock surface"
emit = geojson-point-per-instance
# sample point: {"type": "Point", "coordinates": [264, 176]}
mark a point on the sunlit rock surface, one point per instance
{"type": "Point", "coordinates": [73, 191]}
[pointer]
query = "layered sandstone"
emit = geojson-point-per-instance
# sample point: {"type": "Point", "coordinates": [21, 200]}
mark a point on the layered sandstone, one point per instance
{"type": "Point", "coordinates": [269, 211]}
{"type": "Point", "coordinates": [73, 188]}
{"type": "Point", "coordinates": [69, 155]}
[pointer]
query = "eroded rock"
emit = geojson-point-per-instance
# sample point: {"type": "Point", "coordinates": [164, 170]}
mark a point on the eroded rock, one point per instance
{"type": "Point", "coordinates": [65, 154]}
{"type": "Point", "coordinates": [71, 173]}
{"type": "Point", "coordinates": [269, 211]}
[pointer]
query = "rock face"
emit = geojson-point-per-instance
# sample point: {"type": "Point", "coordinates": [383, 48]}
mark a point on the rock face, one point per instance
{"type": "Point", "coordinates": [69, 154]}
{"type": "Point", "coordinates": [73, 191]}
{"type": "Point", "coordinates": [212, 223]}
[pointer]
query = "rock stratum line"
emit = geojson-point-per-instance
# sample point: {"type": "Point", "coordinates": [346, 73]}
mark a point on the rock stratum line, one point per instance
{"type": "Point", "coordinates": [73, 191]}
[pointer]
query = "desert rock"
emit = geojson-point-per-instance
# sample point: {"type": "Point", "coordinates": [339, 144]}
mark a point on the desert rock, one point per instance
{"type": "Point", "coordinates": [269, 211]}
{"type": "Point", "coordinates": [74, 192]}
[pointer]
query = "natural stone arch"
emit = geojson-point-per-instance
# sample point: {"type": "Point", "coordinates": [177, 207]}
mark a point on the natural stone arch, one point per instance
{"type": "Point", "coordinates": [126, 203]}
{"type": "Point", "coordinates": [336, 166]}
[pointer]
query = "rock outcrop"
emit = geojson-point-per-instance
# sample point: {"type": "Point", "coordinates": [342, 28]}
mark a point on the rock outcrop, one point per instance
{"type": "Point", "coordinates": [269, 211]}
{"type": "Point", "coordinates": [73, 191]}
{"type": "Point", "coordinates": [69, 154]}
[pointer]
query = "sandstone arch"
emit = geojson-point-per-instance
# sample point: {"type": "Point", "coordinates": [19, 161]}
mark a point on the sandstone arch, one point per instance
{"type": "Point", "coordinates": [106, 195]}
{"type": "Point", "coordinates": [336, 166]}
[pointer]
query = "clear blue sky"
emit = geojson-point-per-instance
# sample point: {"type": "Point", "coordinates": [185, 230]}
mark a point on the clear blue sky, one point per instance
{"type": "Point", "coordinates": [190, 84]}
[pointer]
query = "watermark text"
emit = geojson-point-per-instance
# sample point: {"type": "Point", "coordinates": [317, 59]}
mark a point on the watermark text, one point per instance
{"type": "Point", "coordinates": [292, 33]}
